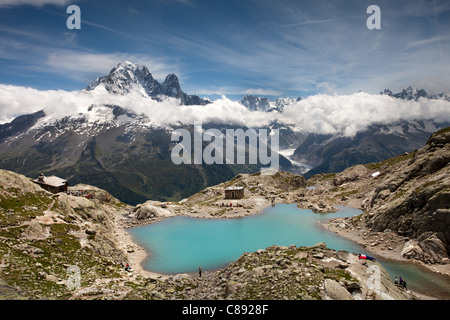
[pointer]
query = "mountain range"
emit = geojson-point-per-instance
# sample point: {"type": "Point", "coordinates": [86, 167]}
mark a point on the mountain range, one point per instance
{"type": "Point", "coordinates": [124, 152]}
{"type": "Point", "coordinates": [411, 93]}
{"type": "Point", "coordinates": [334, 153]}
{"type": "Point", "coordinates": [258, 103]}
{"type": "Point", "coordinates": [326, 153]}
{"type": "Point", "coordinates": [129, 159]}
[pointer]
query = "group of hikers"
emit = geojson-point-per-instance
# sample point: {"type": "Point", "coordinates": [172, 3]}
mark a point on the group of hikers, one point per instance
{"type": "Point", "coordinates": [80, 193]}
{"type": "Point", "coordinates": [398, 280]}
{"type": "Point", "coordinates": [230, 204]}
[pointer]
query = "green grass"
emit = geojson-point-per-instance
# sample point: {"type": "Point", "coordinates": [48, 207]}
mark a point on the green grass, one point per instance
{"type": "Point", "coordinates": [29, 263]}
{"type": "Point", "coordinates": [18, 208]}
{"type": "Point", "coordinates": [348, 193]}
{"type": "Point", "coordinates": [442, 131]}
{"type": "Point", "coordinates": [389, 162]}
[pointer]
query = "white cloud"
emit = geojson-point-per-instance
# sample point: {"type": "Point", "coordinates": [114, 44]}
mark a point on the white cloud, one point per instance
{"type": "Point", "coordinates": [15, 101]}
{"type": "Point", "coordinates": [345, 114]}
{"type": "Point", "coordinates": [36, 3]}
{"type": "Point", "coordinates": [349, 114]}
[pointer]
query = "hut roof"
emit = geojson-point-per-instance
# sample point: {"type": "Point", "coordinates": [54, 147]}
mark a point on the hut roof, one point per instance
{"type": "Point", "coordinates": [234, 188]}
{"type": "Point", "coordinates": [53, 181]}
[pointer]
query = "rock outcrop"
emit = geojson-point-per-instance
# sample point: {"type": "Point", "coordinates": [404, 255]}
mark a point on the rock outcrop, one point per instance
{"type": "Point", "coordinates": [303, 273]}
{"type": "Point", "coordinates": [350, 174]}
{"type": "Point", "coordinates": [407, 196]}
{"type": "Point", "coordinates": [281, 273]}
{"type": "Point", "coordinates": [151, 210]}
{"type": "Point", "coordinates": [413, 199]}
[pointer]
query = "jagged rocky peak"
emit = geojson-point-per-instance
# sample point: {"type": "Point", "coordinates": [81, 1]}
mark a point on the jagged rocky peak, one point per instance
{"type": "Point", "coordinates": [124, 77]}
{"type": "Point", "coordinates": [256, 103]}
{"type": "Point", "coordinates": [171, 86]}
{"type": "Point", "coordinates": [171, 79]}
{"type": "Point", "coordinates": [387, 92]}
{"type": "Point", "coordinates": [128, 71]}
{"type": "Point", "coordinates": [280, 103]}
{"type": "Point", "coordinates": [411, 93]}
{"type": "Point", "coordinates": [127, 77]}
{"type": "Point", "coordinates": [129, 66]}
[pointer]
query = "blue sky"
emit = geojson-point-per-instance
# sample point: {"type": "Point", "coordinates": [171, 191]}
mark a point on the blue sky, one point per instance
{"type": "Point", "coordinates": [269, 48]}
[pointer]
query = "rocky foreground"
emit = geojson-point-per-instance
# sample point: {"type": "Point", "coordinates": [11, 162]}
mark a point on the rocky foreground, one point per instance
{"type": "Point", "coordinates": [70, 247]}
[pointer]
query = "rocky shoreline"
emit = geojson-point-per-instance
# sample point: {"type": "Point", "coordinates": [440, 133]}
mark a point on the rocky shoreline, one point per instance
{"type": "Point", "coordinates": [386, 245]}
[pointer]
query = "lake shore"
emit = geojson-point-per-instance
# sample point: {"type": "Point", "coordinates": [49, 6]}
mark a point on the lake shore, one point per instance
{"type": "Point", "coordinates": [138, 254]}
{"type": "Point", "coordinates": [261, 193]}
{"type": "Point", "coordinates": [387, 245]}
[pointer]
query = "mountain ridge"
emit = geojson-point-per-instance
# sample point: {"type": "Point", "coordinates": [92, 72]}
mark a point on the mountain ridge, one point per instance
{"type": "Point", "coordinates": [334, 153]}
{"type": "Point", "coordinates": [262, 103]}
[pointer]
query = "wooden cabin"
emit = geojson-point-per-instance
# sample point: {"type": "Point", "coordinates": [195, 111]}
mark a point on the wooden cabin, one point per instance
{"type": "Point", "coordinates": [52, 184]}
{"type": "Point", "coordinates": [234, 193]}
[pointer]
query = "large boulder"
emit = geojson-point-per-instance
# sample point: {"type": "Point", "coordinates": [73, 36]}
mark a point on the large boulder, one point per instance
{"type": "Point", "coordinates": [334, 291]}
{"type": "Point", "coordinates": [35, 231]}
{"type": "Point", "coordinates": [351, 174]}
{"type": "Point", "coordinates": [440, 138]}
{"type": "Point", "coordinates": [428, 248]}
{"type": "Point", "coordinates": [148, 211]}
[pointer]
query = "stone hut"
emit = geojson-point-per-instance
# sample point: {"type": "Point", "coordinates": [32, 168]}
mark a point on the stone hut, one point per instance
{"type": "Point", "coordinates": [234, 193]}
{"type": "Point", "coordinates": [52, 184]}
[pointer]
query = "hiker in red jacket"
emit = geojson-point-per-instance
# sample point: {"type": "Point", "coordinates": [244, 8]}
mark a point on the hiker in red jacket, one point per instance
{"type": "Point", "coordinates": [364, 256]}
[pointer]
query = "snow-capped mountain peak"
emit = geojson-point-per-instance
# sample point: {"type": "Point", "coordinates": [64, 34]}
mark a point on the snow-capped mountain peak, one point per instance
{"type": "Point", "coordinates": [127, 77]}
{"type": "Point", "coordinates": [415, 94]}
{"type": "Point", "coordinates": [124, 77]}
{"type": "Point", "coordinates": [264, 104]}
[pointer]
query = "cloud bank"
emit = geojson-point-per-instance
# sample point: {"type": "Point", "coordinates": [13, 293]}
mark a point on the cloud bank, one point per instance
{"type": "Point", "coordinates": [350, 114]}
{"type": "Point", "coordinates": [326, 114]}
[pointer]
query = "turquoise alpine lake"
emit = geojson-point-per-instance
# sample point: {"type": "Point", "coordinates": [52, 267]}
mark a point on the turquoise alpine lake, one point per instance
{"type": "Point", "coordinates": [183, 244]}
